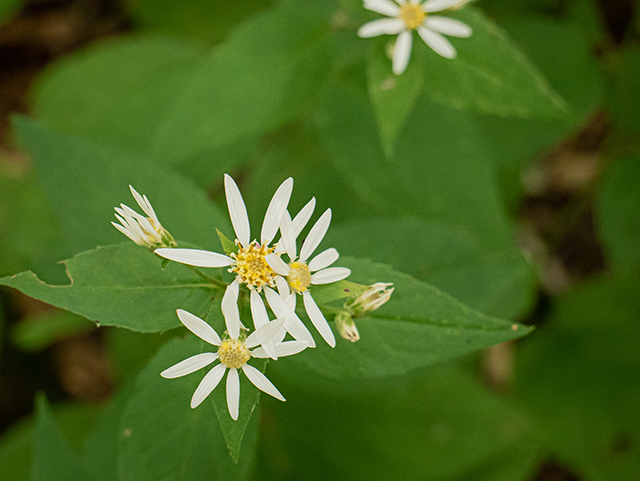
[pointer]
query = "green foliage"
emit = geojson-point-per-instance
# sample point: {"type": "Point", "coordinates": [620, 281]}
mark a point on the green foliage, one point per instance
{"type": "Point", "coordinates": [618, 215]}
{"type": "Point", "coordinates": [42, 330]}
{"type": "Point", "coordinates": [422, 326]}
{"type": "Point", "coordinates": [8, 8]}
{"type": "Point", "coordinates": [122, 285]}
{"type": "Point", "coordinates": [161, 437]}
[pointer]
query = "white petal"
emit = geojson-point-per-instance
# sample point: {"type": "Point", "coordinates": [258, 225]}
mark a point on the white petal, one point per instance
{"type": "Point", "coordinates": [332, 274]}
{"type": "Point", "coordinates": [283, 287]}
{"type": "Point", "coordinates": [315, 235]}
{"type": "Point", "coordinates": [264, 333]}
{"type": "Point", "coordinates": [195, 257]}
{"type": "Point", "coordinates": [438, 5]}
{"type": "Point", "coordinates": [144, 204]}
{"type": "Point", "coordinates": [128, 233]}
{"type": "Point", "coordinates": [260, 381]}
{"type": "Point", "coordinates": [276, 209]}
{"type": "Point", "coordinates": [199, 327]}
{"type": "Point", "coordinates": [287, 348]}
{"type": "Point", "coordinates": [448, 26]}
{"type": "Point", "coordinates": [277, 264]}
{"type": "Point", "coordinates": [402, 52]}
{"type": "Point", "coordinates": [237, 210]}
{"type": "Point", "coordinates": [230, 310]}
{"type": "Point", "coordinates": [208, 384]}
{"type": "Point", "coordinates": [385, 7]}
{"type": "Point", "coordinates": [318, 319]}
{"type": "Point", "coordinates": [189, 365]}
{"type": "Point", "coordinates": [303, 217]}
{"type": "Point", "coordinates": [293, 324]}
{"type": "Point", "coordinates": [383, 26]}
{"type": "Point", "coordinates": [233, 393]}
{"type": "Point", "coordinates": [437, 42]}
{"type": "Point", "coordinates": [291, 301]}
{"type": "Point", "coordinates": [288, 237]}
{"type": "Point", "coordinates": [324, 259]}
{"type": "Point", "coordinates": [260, 318]}
{"type": "Point", "coordinates": [258, 311]}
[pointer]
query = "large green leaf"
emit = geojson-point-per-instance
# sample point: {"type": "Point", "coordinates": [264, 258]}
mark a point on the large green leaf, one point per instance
{"type": "Point", "coordinates": [497, 283]}
{"type": "Point", "coordinates": [579, 377]}
{"type": "Point", "coordinates": [418, 326]}
{"type": "Point", "coordinates": [438, 424]}
{"type": "Point", "coordinates": [439, 170]}
{"type": "Point", "coordinates": [489, 74]}
{"type": "Point", "coordinates": [267, 71]}
{"type": "Point", "coordinates": [85, 181]}
{"type": "Point", "coordinates": [161, 437]}
{"type": "Point", "coordinates": [116, 92]}
{"type": "Point", "coordinates": [122, 285]}
{"type": "Point", "coordinates": [618, 215]}
{"type": "Point", "coordinates": [53, 458]}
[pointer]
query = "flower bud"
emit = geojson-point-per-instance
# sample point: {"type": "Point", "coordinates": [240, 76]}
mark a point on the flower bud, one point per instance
{"type": "Point", "coordinates": [346, 327]}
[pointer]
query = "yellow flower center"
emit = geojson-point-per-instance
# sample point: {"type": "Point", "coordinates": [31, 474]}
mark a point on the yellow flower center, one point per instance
{"type": "Point", "coordinates": [233, 353]}
{"type": "Point", "coordinates": [300, 277]}
{"type": "Point", "coordinates": [412, 15]}
{"type": "Point", "coordinates": [251, 267]}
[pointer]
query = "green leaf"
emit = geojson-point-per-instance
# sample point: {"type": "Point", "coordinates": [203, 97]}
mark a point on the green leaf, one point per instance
{"type": "Point", "coordinates": [488, 75]}
{"type": "Point", "coordinates": [122, 285]}
{"type": "Point", "coordinates": [8, 8]}
{"type": "Point", "coordinates": [579, 378]}
{"type": "Point", "coordinates": [393, 97]}
{"type": "Point", "coordinates": [53, 458]}
{"type": "Point", "coordinates": [228, 246]}
{"type": "Point", "coordinates": [116, 92]}
{"type": "Point", "coordinates": [438, 424]}
{"type": "Point", "coordinates": [440, 170]}
{"type": "Point", "coordinates": [496, 282]}
{"type": "Point", "coordinates": [201, 19]}
{"type": "Point", "coordinates": [265, 74]}
{"type": "Point", "coordinates": [418, 326]}
{"type": "Point", "coordinates": [84, 182]}
{"type": "Point", "coordinates": [618, 215]}
{"type": "Point", "coordinates": [42, 330]}
{"type": "Point", "coordinates": [163, 438]}
{"type": "Point", "coordinates": [326, 293]}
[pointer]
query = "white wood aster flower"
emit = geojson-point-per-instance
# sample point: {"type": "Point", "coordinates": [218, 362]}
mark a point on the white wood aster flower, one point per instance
{"type": "Point", "coordinates": [233, 354]}
{"type": "Point", "coordinates": [144, 231]}
{"type": "Point", "coordinates": [405, 16]}
{"type": "Point", "coordinates": [248, 263]}
{"type": "Point", "coordinates": [300, 273]}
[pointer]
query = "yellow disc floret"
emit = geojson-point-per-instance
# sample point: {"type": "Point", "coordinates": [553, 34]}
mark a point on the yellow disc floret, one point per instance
{"type": "Point", "coordinates": [251, 267]}
{"type": "Point", "coordinates": [300, 277]}
{"type": "Point", "coordinates": [233, 353]}
{"type": "Point", "coordinates": [412, 15]}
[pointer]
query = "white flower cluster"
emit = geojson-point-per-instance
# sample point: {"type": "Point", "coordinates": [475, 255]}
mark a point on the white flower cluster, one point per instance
{"type": "Point", "coordinates": [274, 270]}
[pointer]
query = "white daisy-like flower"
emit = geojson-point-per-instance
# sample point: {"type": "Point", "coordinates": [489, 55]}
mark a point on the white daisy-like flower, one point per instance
{"type": "Point", "coordinates": [406, 16]}
{"type": "Point", "coordinates": [144, 231]}
{"type": "Point", "coordinates": [300, 275]}
{"type": "Point", "coordinates": [233, 354]}
{"type": "Point", "coordinates": [248, 263]}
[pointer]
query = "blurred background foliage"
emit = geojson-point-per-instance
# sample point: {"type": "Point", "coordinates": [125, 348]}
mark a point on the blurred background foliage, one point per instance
{"type": "Point", "coordinates": [513, 209]}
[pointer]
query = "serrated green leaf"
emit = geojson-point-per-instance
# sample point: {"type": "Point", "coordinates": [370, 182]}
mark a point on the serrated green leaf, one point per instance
{"type": "Point", "coordinates": [116, 92]}
{"type": "Point", "coordinates": [488, 75]}
{"type": "Point", "coordinates": [264, 74]}
{"type": "Point", "coordinates": [44, 329]}
{"type": "Point", "coordinates": [122, 285]}
{"type": "Point", "coordinates": [53, 458]}
{"type": "Point", "coordinates": [392, 96]}
{"type": "Point", "coordinates": [85, 181]}
{"type": "Point", "coordinates": [163, 438]}
{"type": "Point", "coordinates": [418, 326]}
